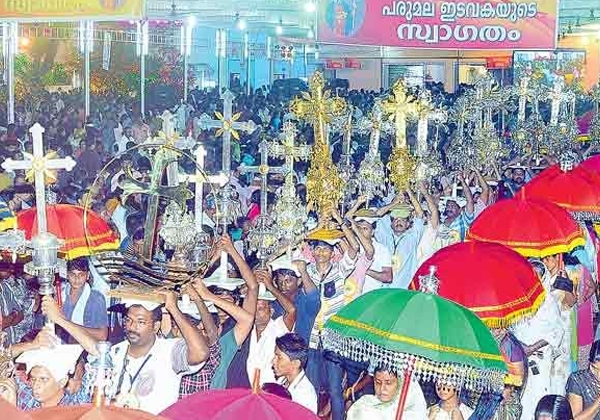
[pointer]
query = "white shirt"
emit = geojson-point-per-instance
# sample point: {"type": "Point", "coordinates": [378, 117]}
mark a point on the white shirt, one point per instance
{"type": "Point", "coordinates": [303, 392]}
{"type": "Point", "coordinates": [381, 258]}
{"type": "Point", "coordinates": [157, 384]}
{"type": "Point", "coordinates": [262, 351]}
{"type": "Point", "coordinates": [444, 415]}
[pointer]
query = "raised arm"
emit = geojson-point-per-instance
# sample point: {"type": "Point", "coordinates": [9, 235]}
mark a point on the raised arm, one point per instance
{"type": "Point", "coordinates": [197, 349]}
{"type": "Point", "coordinates": [485, 188]}
{"type": "Point", "coordinates": [289, 317]}
{"type": "Point", "coordinates": [415, 203]}
{"type": "Point", "coordinates": [468, 195]}
{"type": "Point", "coordinates": [246, 272]}
{"type": "Point", "coordinates": [244, 320]}
{"type": "Point", "coordinates": [434, 218]}
{"type": "Point", "coordinates": [212, 332]}
{"type": "Point", "coordinates": [53, 312]}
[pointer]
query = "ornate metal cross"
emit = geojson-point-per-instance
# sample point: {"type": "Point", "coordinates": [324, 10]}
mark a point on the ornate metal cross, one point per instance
{"type": "Point", "coordinates": [557, 96]}
{"type": "Point", "coordinates": [40, 167]}
{"type": "Point", "coordinates": [426, 111]}
{"type": "Point", "coordinates": [400, 105]}
{"type": "Point", "coordinates": [324, 185]}
{"type": "Point", "coordinates": [160, 160]}
{"type": "Point", "coordinates": [264, 170]}
{"type": "Point", "coordinates": [287, 150]}
{"type": "Point", "coordinates": [227, 125]}
{"type": "Point", "coordinates": [199, 179]}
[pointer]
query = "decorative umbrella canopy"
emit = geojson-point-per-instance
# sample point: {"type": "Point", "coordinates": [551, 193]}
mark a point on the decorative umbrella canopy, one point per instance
{"type": "Point", "coordinates": [435, 338]}
{"type": "Point", "coordinates": [507, 287]}
{"type": "Point", "coordinates": [576, 190]}
{"type": "Point", "coordinates": [90, 412]}
{"type": "Point", "coordinates": [592, 164]}
{"type": "Point", "coordinates": [83, 232]}
{"type": "Point", "coordinates": [530, 226]}
{"type": "Point", "coordinates": [237, 404]}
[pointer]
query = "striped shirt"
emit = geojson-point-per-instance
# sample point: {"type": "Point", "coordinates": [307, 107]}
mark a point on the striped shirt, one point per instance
{"type": "Point", "coordinates": [333, 291]}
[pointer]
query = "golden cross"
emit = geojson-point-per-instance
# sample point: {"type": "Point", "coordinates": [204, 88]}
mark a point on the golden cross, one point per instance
{"type": "Point", "coordinates": [399, 106]}
{"type": "Point", "coordinates": [317, 106]}
{"type": "Point", "coordinates": [324, 185]}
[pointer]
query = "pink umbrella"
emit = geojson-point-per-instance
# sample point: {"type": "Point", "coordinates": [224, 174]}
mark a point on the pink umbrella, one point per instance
{"type": "Point", "coordinates": [237, 404]}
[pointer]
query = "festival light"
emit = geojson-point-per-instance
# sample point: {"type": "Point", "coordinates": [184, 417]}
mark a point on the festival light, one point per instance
{"type": "Point", "coordinates": [310, 7]}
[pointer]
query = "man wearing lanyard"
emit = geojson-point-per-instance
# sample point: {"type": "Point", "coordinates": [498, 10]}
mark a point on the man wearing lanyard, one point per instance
{"type": "Point", "coordinates": [147, 369]}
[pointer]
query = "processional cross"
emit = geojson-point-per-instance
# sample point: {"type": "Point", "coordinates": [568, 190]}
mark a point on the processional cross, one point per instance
{"type": "Point", "coordinates": [227, 125]}
{"type": "Point", "coordinates": [264, 170]}
{"type": "Point", "coordinates": [400, 106]}
{"type": "Point", "coordinates": [39, 168]}
{"type": "Point", "coordinates": [160, 161]}
{"type": "Point", "coordinates": [426, 111]}
{"type": "Point", "coordinates": [324, 185]}
{"type": "Point", "coordinates": [557, 96]}
{"type": "Point", "coordinates": [287, 150]}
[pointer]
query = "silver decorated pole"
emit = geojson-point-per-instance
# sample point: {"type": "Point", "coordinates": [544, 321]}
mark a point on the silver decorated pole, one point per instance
{"type": "Point", "coordinates": [45, 245]}
{"type": "Point", "coordinates": [11, 34]}
{"type": "Point", "coordinates": [142, 51]}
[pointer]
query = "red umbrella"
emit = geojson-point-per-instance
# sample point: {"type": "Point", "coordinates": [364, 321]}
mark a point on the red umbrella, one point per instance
{"type": "Point", "coordinates": [507, 288]}
{"type": "Point", "coordinates": [84, 232]}
{"type": "Point", "coordinates": [237, 404]}
{"type": "Point", "coordinates": [530, 226]}
{"type": "Point", "coordinates": [592, 164]}
{"type": "Point", "coordinates": [576, 190]}
{"type": "Point", "coordinates": [91, 412]}
{"type": "Point", "coordinates": [9, 411]}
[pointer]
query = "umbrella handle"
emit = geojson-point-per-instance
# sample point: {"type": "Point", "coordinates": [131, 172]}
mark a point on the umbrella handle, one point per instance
{"type": "Point", "coordinates": [404, 392]}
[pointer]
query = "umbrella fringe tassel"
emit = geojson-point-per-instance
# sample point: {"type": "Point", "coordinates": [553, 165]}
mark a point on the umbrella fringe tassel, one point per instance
{"type": "Point", "coordinates": [516, 317]}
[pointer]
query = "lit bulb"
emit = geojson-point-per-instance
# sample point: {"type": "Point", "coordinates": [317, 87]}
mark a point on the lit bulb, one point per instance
{"type": "Point", "coordinates": [279, 29]}
{"type": "Point", "coordinates": [311, 33]}
{"type": "Point", "coordinates": [241, 25]}
{"type": "Point", "coordinates": [310, 7]}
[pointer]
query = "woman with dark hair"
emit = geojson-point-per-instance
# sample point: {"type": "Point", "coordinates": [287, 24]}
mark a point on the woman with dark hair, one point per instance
{"type": "Point", "coordinates": [553, 407]}
{"type": "Point", "coordinates": [583, 388]}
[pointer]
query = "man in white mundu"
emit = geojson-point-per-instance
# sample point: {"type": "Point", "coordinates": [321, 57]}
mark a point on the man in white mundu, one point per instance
{"type": "Point", "coordinates": [541, 336]}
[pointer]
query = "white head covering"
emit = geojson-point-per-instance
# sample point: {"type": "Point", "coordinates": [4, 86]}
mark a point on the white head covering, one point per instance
{"type": "Point", "coordinates": [146, 304]}
{"type": "Point", "coordinates": [284, 263]}
{"type": "Point", "coordinates": [59, 360]}
{"type": "Point", "coordinates": [461, 201]}
{"type": "Point", "coordinates": [264, 294]}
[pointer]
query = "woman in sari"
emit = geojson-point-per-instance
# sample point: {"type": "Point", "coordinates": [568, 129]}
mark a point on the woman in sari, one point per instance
{"type": "Point", "coordinates": [583, 388]}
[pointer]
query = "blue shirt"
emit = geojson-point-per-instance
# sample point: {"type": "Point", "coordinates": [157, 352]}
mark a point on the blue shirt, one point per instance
{"type": "Point", "coordinates": [307, 307]}
{"type": "Point", "coordinates": [229, 348]}
{"type": "Point", "coordinates": [94, 314]}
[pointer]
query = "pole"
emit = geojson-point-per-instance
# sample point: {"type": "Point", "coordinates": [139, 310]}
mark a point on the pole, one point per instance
{"type": "Point", "coordinates": [13, 42]}
{"type": "Point", "coordinates": [87, 65]}
{"type": "Point", "coordinates": [404, 392]}
{"type": "Point", "coordinates": [305, 63]}
{"type": "Point", "coordinates": [185, 78]}
{"type": "Point", "coordinates": [143, 85]}
{"type": "Point", "coordinates": [247, 56]}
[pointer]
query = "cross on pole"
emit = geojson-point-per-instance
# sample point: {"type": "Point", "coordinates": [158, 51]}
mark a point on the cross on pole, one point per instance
{"type": "Point", "coordinates": [155, 190]}
{"type": "Point", "coordinates": [264, 170]}
{"type": "Point", "coordinates": [400, 105]}
{"type": "Point", "coordinates": [426, 111]}
{"type": "Point", "coordinates": [556, 96]}
{"type": "Point", "coordinates": [39, 168]}
{"type": "Point", "coordinates": [288, 150]}
{"type": "Point", "coordinates": [523, 94]}
{"type": "Point", "coordinates": [199, 179]}
{"type": "Point", "coordinates": [227, 125]}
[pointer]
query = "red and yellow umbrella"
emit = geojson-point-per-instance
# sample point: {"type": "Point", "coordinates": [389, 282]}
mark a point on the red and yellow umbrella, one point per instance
{"type": "Point", "coordinates": [592, 164]}
{"type": "Point", "coordinates": [507, 288]}
{"type": "Point", "coordinates": [576, 190]}
{"type": "Point", "coordinates": [84, 233]}
{"type": "Point", "coordinates": [530, 226]}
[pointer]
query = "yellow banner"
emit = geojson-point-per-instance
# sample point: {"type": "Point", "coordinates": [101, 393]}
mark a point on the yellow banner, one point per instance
{"type": "Point", "coordinates": [47, 10]}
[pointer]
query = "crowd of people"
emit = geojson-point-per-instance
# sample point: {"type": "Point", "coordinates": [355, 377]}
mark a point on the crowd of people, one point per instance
{"type": "Point", "coordinates": [267, 326]}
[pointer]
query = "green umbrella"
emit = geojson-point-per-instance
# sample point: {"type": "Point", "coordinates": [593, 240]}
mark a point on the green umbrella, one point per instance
{"type": "Point", "coordinates": [418, 333]}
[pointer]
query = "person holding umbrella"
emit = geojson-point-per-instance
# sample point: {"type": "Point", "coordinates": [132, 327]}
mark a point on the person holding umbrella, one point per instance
{"type": "Point", "coordinates": [384, 404]}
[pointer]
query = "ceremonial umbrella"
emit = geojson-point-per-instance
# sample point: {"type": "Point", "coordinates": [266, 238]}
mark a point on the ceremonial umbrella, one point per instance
{"type": "Point", "coordinates": [592, 163]}
{"type": "Point", "coordinates": [494, 282]}
{"type": "Point", "coordinates": [237, 404]}
{"type": "Point", "coordinates": [91, 412]}
{"type": "Point", "coordinates": [530, 226]}
{"type": "Point", "coordinates": [83, 232]}
{"type": "Point", "coordinates": [418, 333]}
{"type": "Point", "coordinates": [10, 412]}
{"type": "Point", "coordinates": [576, 190]}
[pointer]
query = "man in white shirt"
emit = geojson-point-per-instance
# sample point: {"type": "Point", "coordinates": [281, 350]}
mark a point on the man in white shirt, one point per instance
{"type": "Point", "coordinates": [147, 369]}
{"type": "Point", "coordinates": [380, 272]}
{"type": "Point", "coordinates": [291, 354]}
{"type": "Point", "coordinates": [267, 330]}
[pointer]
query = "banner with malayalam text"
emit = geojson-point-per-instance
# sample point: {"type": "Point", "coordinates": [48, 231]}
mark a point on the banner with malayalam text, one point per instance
{"type": "Point", "coordinates": [475, 24]}
{"type": "Point", "coordinates": [49, 10]}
